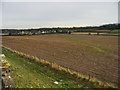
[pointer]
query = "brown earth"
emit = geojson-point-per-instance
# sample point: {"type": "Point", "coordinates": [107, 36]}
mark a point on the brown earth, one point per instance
{"type": "Point", "coordinates": [89, 54]}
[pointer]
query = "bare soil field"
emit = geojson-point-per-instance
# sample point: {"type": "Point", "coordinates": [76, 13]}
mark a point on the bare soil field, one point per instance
{"type": "Point", "coordinates": [90, 54]}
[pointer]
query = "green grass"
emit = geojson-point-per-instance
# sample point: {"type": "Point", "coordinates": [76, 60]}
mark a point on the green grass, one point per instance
{"type": "Point", "coordinates": [92, 46]}
{"type": "Point", "coordinates": [28, 74]}
{"type": "Point", "coordinates": [115, 31]}
{"type": "Point", "coordinates": [115, 34]}
{"type": "Point", "coordinates": [100, 50]}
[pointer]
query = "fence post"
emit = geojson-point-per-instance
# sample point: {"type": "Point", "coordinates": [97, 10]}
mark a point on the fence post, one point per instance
{"type": "Point", "coordinates": [52, 65]}
{"type": "Point", "coordinates": [89, 77]}
{"type": "Point", "coordinates": [78, 74]}
{"type": "Point", "coordinates": [97, 33]}
{"type": "Point", "coordinates": [89, 33]}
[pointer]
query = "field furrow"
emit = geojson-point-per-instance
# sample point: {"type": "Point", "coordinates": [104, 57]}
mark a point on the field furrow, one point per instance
{"type": "Point", "coordinates": [77, 52]}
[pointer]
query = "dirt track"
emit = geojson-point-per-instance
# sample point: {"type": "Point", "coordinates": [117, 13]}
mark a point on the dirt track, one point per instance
{"type": "Point", "coordinates": [89, 54]}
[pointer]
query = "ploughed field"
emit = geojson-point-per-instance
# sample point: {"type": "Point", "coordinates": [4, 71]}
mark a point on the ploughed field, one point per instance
{"type": "Point", "coordinates": [89, 54]}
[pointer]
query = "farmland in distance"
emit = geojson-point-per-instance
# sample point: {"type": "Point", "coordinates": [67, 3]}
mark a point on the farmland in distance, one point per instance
{"type": "Point", "coordinates": [89, 54]}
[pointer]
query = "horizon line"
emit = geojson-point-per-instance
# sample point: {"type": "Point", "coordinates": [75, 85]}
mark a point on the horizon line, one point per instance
{"type": "Point", "coordinates": [62, 26]}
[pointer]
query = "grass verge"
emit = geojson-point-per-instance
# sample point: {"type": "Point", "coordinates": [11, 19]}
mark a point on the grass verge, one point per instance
{"type": "Point", "coordinates": [28, 74]}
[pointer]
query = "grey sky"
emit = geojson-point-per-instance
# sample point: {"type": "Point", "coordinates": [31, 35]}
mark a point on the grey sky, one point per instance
{"type": "Point", "coordinates": [54, 14]}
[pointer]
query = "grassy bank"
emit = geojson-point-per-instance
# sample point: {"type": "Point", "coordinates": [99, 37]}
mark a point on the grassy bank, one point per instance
{"type": "Point", "coordinates": [28, 74]}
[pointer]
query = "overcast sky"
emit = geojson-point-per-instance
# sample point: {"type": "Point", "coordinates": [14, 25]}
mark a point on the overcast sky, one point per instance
{"type": "Point", "coordinates": [54, 14]}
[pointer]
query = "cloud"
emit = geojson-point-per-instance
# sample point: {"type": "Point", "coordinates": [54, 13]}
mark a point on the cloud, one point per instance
{"type": "Point", "coordinates": [34, 14]}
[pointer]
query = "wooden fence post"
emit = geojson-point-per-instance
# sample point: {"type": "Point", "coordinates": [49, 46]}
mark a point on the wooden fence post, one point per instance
{"type": "Point", "coordinates": [89, 77]}
{"type": "Point", "coordinates": [89, 33]}
{"type": "Point", "coordinates": [52, 65]}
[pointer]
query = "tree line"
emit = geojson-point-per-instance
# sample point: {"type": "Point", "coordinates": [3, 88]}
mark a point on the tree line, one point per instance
{"type": "Point", "coordinates": [73, 29]}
